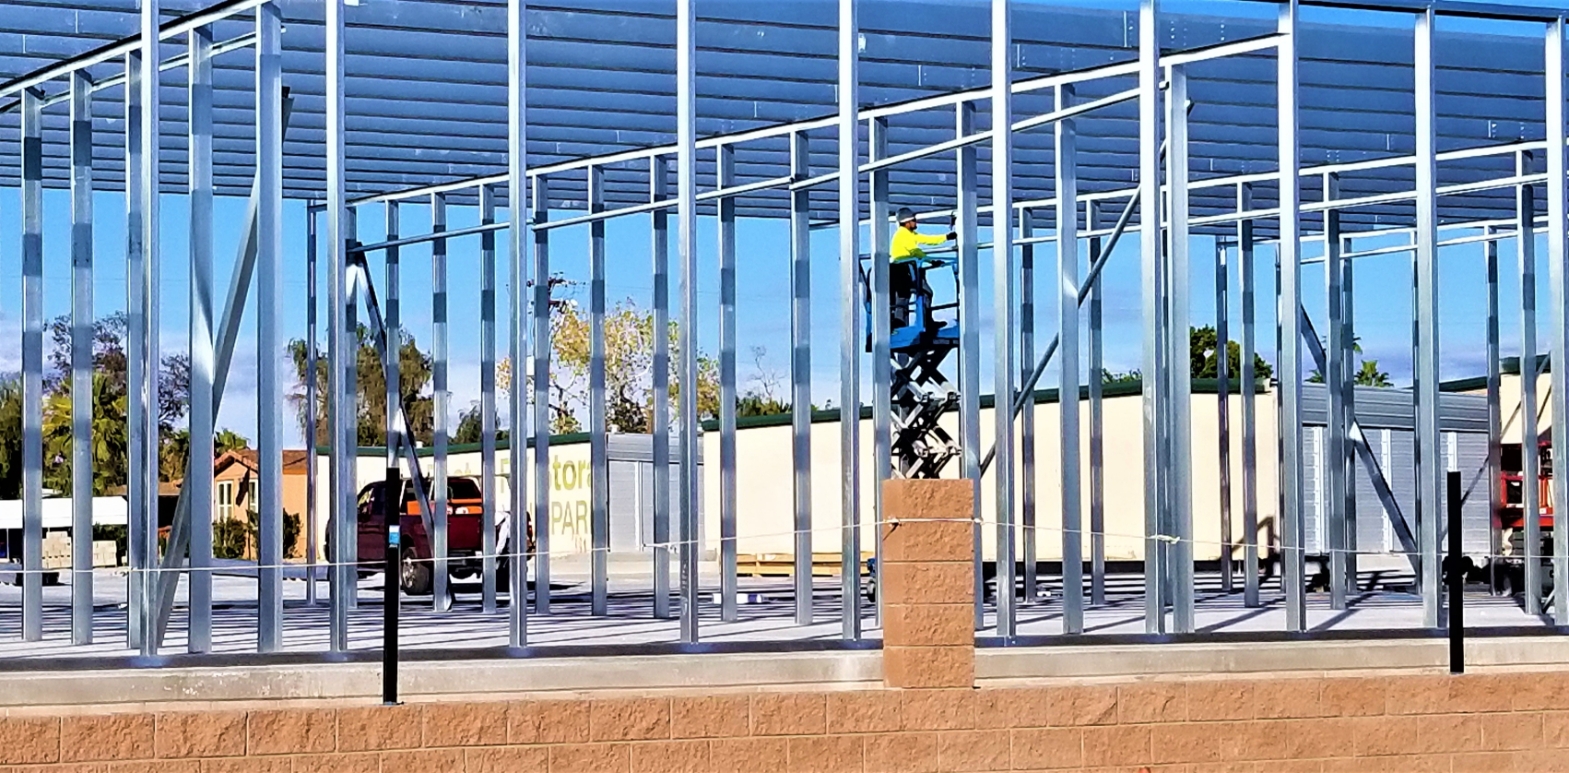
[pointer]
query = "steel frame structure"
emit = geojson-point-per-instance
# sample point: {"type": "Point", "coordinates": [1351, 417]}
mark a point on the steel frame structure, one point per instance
{"type": "Point", "coordinates": [1168, 203]}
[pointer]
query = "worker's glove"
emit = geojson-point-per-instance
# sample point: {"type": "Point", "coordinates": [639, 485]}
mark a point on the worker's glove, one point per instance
{"type": "Point", "coordinates": [953, 236]}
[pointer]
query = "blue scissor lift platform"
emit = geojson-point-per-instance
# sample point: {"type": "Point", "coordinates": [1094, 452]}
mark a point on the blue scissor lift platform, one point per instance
{"type": "Point", "coordinates": [919, 344]}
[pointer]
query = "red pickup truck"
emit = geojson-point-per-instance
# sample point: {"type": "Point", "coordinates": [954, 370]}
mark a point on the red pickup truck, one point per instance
{"type": "Point", "coordinates": [465, 543]}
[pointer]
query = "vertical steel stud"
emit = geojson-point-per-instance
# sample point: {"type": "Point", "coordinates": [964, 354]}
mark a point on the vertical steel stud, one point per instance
{"type": "Point", "coordinates": [517, 240]}
{"type": "Point", "coordinates": [1068, 356]}
{"type": "Point", "coordinates": [540, 365]}
{"type": "Point", "coordinates": [1097, 420]}
{"type": "Point", "coordinates": [1027, 514]}
{"type": "Point", "coordinates": [487, 400]}
{"type": "Point", "coordinates": [152, 267]}
{"type": "Point", "coordinates": [686, 368]}
{"type": "Point", "coordinates": [659, 173]}
{"type": "Point", "coordinates": [725, 177]}
{"type": "Point", "coordinates": [135, 307]}
{"type": "Point", "coordinates": [33, 371]}
{"type": "Point", "coordinates": [849, 318]}
{"type": "Point", "coordinates": [82, 359]}
{"type": "Point", "coordinates": [970, 337]}
{"type": "Point", "coordinates": [1334, 468]}
{"type": "Point", "coordinates": [1002, 309]}
{"type": "Point", "coordinates": [1180, 484]}
{"type": "Point", "coordinates": [1558, 273]}
{"type": "Point", "coordinates": [1249, 379]}
{"type": "Point", "coordinates": [341, 347]}
{"type": "Point", "coordinates": [1290, 321]}
{"type": "Point", "coordinates": [1153, 281]}
{"type": "Point", "coordinates": [1430, 510]}
{"type": "Point", "coordinates": [269, 342]}
{"type": "Point", "coordinates": [441, 396]}
{"type": "Point", "coordinates": [1530, 458]}
{"type": "Point", "coordinates": [598, 431]}
{"type": "Point", "coordinates": [199, 469]}
{"type": "Point", "coordinates": [801, 375]}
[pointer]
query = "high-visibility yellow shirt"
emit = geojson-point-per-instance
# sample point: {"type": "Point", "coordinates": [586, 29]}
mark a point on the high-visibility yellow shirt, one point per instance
{"type": "Point", "coordinates": [907, 244]}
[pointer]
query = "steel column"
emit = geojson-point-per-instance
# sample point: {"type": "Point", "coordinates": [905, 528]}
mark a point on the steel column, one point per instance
{"type": "Point", "coordinates": [686, 327]}
{"type": "Point", "coordinates": [135, 347]}
{"type": "Point", "coordinates": [878, 246]}
{"type": "Point", "coordinates": [598, 432]}
{"type": "Point", "coordinates": [269, 341]}
{"type": "Point", "coordinates": [539, 363]}
{"type": "Point", "coordinates": [33, 371]}
{"type": "Point", "coordinates": [1249, 379]}
{"type": "Point", "coordinates": [199, 469]}
{"type": "Point", "coordinates": [1530, 459]}
{"type": "Point", "coordinates": [487, 399]}
{"type": "Point", "coordinates": [1289, 363]}
{"type": "Point", "coordinates": [152, 268]}
{"type": "Point", "coordinates": [312, 401]}
{"type": "Point", "coordinates": [1334, 385]}
{"type": "Point", "coordinates": [1558, 276]}
{"type": "Point", "coordinates": [1002, 308]}
{"type": "Point", "coordinates": [82, 359]}
{"type": "Point", "coordinates": [392, 393]}
{"type": "Point", "coordinates": [517, 235]}
{"type": "Point", "coordinates": [1068, 356]}
{"type": "Point", "coordinates": [1027, 512]}
{"type": "Point", "coordinates": [849, 319]}
{"type": "Point", "coordinates": [441, 396]}
{"type": "Point", "coordinates": [1223, 408]}
{"type": "Point", "coordinates": [1180, 395]}
{"type": "Point", "coordinates": [1495, 422]}
{"type": "Point", "coordinates": [725, 178]}
{"type": "Point", "coordinates": [1154, 297]}
{"type": "Point", "coordinates": [801, 375]}
{"type": "Point", "coordinates": [658, 190]}
{"type": "Point", "coordinates": [967, 180]}
{"type": "Point", "coordinates": [341, 347]}
{"type": "Point", "coordinates": [1097, 371]}
{"type": "Point", "coordinates": [1348, 419]}
{"type": "Point", "coordinates": [1430, 510]}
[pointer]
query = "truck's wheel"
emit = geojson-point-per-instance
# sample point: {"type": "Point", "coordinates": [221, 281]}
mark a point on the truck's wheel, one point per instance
{"type": "Point", "coordinates": [414, 575]}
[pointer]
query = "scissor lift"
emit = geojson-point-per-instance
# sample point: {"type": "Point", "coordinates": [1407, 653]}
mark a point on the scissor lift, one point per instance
{"type": "Point", "coordinates": [919, 344]}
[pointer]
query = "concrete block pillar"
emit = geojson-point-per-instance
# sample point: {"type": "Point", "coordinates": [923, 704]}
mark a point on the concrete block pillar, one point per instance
{"type": "Point", "coordinates": [927, 584]}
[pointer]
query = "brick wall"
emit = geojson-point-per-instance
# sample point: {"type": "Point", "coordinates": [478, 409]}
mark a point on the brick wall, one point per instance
{"type": "Point", "coordinates": [930, 716]}
{"type": "Point", "coordinates": [1406, 722]}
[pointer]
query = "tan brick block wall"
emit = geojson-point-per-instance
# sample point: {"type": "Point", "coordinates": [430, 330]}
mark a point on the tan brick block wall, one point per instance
{"type": "Point", "coordinates": [927, 584]}
{"type": "Point", "coordinates": [1192, 725]}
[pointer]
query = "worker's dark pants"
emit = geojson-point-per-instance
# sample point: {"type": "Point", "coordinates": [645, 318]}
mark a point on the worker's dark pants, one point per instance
{"type": "Point", "coordinates": [904, 281]}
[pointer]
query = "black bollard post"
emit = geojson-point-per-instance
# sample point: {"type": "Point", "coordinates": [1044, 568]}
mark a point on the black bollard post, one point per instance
{"type": "Point", "coordinates": [1456, 580]}
{"type": "Point", "coordinates": [393, 496]}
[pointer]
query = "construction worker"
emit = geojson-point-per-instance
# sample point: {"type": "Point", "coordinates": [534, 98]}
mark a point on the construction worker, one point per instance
{"type": "Point", "coordinates": [904, 256]}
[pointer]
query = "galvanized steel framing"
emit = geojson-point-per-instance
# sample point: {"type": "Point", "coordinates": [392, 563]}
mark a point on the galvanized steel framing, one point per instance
{"type": "Point", "coordinates": [1163, 199]}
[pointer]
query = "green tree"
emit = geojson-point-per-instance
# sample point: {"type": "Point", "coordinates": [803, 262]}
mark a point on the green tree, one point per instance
{"type": "Point", "coordinates": [11, 437]}
{"type": "Point", "coordinates": [1367, 372]}
{"type": "Point", "coordinates": [110, 442]}
{"type": "Point", "coordinates": [415, 368]}
{"type": "Point", "coordinates": [1111, 377]}
{"type": "Point", "coordinates": [629, 369]}
{"type": "Point", "coordinates": [1203, 349]}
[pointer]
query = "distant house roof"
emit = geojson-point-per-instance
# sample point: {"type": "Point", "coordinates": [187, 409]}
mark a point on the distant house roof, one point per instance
{"type": "Point", "coordinates": [293, 461]}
